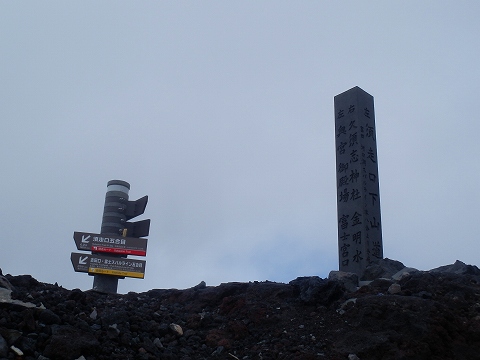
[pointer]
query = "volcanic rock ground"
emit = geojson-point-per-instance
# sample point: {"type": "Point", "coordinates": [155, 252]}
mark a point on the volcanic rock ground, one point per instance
{"type": "Point", "coordinates": [400, 313]}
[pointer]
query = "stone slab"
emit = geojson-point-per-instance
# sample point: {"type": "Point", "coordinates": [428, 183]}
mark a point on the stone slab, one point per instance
{"type": "Point", "coordinates": [358, 196]}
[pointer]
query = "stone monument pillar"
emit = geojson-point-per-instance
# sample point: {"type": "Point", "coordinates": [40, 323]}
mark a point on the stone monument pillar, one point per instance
{"type": "Point", "coordinates": [358, 197]}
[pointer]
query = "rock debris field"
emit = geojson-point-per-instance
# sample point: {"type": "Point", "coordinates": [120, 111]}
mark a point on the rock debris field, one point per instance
{"type": "Point", "coordinates": [391, 312]}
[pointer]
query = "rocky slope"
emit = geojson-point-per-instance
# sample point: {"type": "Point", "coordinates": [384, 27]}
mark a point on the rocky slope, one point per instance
{"type": "Point", "coordinates": [396, 313]}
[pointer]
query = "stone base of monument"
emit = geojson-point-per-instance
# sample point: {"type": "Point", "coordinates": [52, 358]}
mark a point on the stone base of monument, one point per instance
{"type": "Point", "coordinates": [383, 268]}
{"type": "Point", "coordinates": [384, 271]}
{"type": "Point", "coordinates": [347, 279]}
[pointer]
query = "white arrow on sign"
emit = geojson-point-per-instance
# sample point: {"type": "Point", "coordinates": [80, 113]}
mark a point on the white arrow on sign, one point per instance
{"type": "Point", "coordinates": [85, 239]}
{"type": "Point", "coordinates": [82, 261]}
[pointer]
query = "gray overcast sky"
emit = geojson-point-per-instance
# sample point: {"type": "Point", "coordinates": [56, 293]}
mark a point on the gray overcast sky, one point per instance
{"type": "Point", "coordinates": [222, 112]}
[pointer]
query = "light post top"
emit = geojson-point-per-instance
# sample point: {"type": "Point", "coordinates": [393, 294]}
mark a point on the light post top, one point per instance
{"type": "Point", "coordinates": [118, 185]}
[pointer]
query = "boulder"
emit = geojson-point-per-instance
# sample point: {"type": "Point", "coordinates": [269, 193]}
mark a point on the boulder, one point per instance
{"type": "Point", "coordinates": [3, 347]}
{"type": "Point", "coordinates": [48, 317]}
{"type": "Point", "coordinates": [347, 279]}
{"type": "Point", "coordinates": [458, 268]}
{"type": "Point", "coordinates": [394, 289]}
{"type": "Point", "coordinates": [404, 272]}
{"type": "Point", "coordinates": [313, 289]}
{"type": "Point", "coordinates": [4, 283]}
{"type": "Point", "coordinates": [383, 268]}
{"type": "Point", "coordinates": [67, 342]}
{"type": "Point", "coordinates": [177, 329]}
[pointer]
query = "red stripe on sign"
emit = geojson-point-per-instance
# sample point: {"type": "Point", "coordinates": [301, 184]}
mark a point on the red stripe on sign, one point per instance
{"type": "Point", "coordinates": [119, 251]}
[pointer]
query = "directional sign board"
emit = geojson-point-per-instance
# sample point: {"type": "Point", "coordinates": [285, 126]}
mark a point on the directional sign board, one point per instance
{"type": "Point", "coordinates": [110, 244]}
{"type": "Point", "coordinates": [98, 264]}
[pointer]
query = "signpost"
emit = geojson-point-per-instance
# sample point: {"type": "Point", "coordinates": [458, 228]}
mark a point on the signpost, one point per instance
{"type": "Point", "coordinates": [110, 244]}
{"type": "Point", "coordinates": [113, 240]}
{"type": "Point", "coordinates": [108, 265]}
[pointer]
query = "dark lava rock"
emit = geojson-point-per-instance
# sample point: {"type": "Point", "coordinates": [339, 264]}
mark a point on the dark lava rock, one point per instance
{"type": "Point", "coordinates": [383, 268]}
{"type": "Point", "coordinates": [67, 342]}
{"type": "Point", "coordinates": [48, 317]}
{"type": "Point", "coordinates": [435, 315]}
{"type": "Point", "coordinates": [459, 268]}
{"type": "Point", "coordinates": [3, 347]}
{"type": "Point", "coordinates": [313, 290]}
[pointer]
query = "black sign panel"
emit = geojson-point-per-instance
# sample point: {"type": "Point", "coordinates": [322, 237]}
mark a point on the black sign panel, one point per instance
{"type": "Point", "coordinates": [108, 265]}
{"type": "Point", "coordinates": [110, 244]}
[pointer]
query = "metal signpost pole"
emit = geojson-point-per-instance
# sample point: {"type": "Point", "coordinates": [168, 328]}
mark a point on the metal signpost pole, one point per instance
{"type": "Point", "coordinates": [118, 237]}
{"type": "Point", "coordinates": [113, 223]}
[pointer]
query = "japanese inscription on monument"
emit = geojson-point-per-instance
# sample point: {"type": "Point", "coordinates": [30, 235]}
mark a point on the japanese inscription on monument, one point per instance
{"type": "Point", "coordinates": [358, 197]}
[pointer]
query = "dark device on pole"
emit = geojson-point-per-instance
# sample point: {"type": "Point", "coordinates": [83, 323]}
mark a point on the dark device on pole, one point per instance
{"type": "Point", "coordinates": [117, 210]}
{"type": "Point", "coordinates": [141, 228]}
